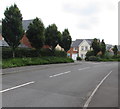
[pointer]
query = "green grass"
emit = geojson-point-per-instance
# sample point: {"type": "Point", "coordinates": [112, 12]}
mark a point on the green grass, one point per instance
{"type": "Point", "coordinates": [17, 62]}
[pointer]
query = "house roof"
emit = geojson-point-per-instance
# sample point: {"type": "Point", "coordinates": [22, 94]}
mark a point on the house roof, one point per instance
{"type": "Point", "coordinates": [3, 43]}
{"type": "Point", "coordinates": [26, 23]}
{"type": "Point", "coordinates": [23, 45]}
{"type": "Point", "coordinates": [77, 42]}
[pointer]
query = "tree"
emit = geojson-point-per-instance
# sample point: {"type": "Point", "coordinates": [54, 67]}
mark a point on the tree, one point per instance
{"type": "Point", "coordinates": [115, 50]}
{"type": "Point", "coordinates": [96, 46]}
{"type": "Point", "coordinates": [35, 33]}
{"type": "Point", "coordinates": [103, 47]}
{"type": "Point", "coordinates": [66, 40]}
{"type": "Point", "coordinates": [52, 36]}
{"type": "Point", "coordinates": [12, 30]}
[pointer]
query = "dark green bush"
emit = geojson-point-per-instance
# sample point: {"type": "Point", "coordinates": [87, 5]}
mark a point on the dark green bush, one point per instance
{"type": "Point", "coordinates": [25, 52]}
{"type": "Point", "coordinates": [17, 62]}
{"type": "Point", "coordinates": [116, 56]}
{"type": "Point", "coordinates": [93, 58]}
{"type": "Point", "coordinates": [79, 58]}
{"type": "Point", "coordinates": [88, 54]}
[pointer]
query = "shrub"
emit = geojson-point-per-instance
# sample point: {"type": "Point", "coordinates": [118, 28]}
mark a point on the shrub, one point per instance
{"type": "Point", "coordinates": [79, 58]}
{"type": "Point", "coordinates": [26, 52]}
{"type": "Point", "coordinates": [116, 56]}
{"type": "Point", "coordinates": [17, 62]}
{"type": "Point", "coordinates": [93, 58]}
{"type": "Point", "coordinates": [88, 54]}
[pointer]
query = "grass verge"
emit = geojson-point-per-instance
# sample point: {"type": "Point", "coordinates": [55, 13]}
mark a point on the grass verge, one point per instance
{"type": "Point", "coordinates": [18, 62]}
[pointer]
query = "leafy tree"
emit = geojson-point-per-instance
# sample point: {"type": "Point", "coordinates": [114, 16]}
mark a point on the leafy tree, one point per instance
{"type": "Point", "coordinates": [12, 30]}
{"type": "Point", "coordinates": [52, 36]}
{"type": "Point", "coordinates": [66, 40]}
{"type": "Point", "coordinates": [35, 33]}
{"type": "Point", "coordinates": [103, 47]}
{"type": "Point", "coordinates": [96, 46]}
{"type": "Point", "coordinates": [115, 50]}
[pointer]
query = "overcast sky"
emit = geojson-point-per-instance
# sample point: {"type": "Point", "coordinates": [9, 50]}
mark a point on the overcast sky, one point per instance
{"type": "Point", "coordinates": [85, 19]}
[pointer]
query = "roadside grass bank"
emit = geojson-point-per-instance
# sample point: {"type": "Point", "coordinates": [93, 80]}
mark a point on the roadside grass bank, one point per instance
{"type": "Point", "coordinates": [18, 62]}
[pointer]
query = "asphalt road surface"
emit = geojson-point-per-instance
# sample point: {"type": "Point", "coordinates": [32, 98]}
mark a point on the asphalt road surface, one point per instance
{"type": "Point", "coordinates": [79, 84]}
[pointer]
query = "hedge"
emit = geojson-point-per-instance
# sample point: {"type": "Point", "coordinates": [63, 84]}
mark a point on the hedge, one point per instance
{"type": "Point", "coordinates": [25, 52]}
{"type": "Point", "coordinates": [17, 62]}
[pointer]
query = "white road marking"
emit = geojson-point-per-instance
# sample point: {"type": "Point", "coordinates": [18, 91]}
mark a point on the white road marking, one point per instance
{"type": "Point", "coordinates": [91, 96]}
{"type": "Point", "coordinates": [17, 86]}
{"type": "Point", "coordinates": [59, 74]}
{"type": "Point", "coordinates": [84, 68]}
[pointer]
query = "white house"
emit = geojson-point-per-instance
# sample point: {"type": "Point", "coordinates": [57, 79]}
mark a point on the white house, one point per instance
{"type": "Point", "coordinates": [79, 48]}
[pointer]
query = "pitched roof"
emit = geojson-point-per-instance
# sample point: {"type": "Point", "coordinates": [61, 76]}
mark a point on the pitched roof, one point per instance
{"type": "Point", "coordinates": [3, 43]}
{"type": "Point", "coordinates": [26, 23]}
{"type": "Point", "coordinates": [77, 42]}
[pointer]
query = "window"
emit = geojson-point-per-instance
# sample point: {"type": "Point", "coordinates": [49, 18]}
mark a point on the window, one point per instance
{"type": "Point", "coordinates": [86, 47]}
{"type": "Point", "coordinates": [82, 48]}
{"type": "Point", "coordinates": [82, 56]}
{"type": "Point", "coordinates": [75, 49]}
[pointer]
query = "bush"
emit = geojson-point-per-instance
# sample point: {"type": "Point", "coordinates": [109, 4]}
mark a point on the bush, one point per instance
{"type": "Point", "coordinates": [116, 57]}
{"type": "Point", "coordinates": [79, 58]}
{"type": "Point", "coordinates": [88, 54]}
{"type": "Point", "coordinates": [93, 58]}
{"type": "Point", "coordinates": [26, 52]}
{"type": "Point", "coordinates": [17, 62]}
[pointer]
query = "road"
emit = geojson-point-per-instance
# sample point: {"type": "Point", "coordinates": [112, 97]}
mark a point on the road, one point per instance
{"type": "Point", "coordinates": [79, 84]}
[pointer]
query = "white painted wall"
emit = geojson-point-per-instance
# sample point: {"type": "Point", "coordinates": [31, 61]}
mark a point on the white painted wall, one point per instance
{"type": "Point", "coordinates": [83, 52]}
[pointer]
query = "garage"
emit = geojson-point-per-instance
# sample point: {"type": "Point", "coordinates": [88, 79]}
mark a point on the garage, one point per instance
{"type": "Point", "coordinates": [74, 56]}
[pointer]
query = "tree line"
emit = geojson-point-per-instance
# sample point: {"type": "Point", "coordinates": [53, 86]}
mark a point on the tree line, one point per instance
{"type": "Point", "coordinates": [99, 49]}
{"type": "Point", "coordinates": [37, 34]}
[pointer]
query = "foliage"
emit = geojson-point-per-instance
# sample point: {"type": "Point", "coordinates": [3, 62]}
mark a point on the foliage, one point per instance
{"type": "Point", "coordinates": [12, 30]}
{"type": "Point", "coordinates": [96, 46]}
{"type": "Point", "coordinates": [79, 58]}
{"type": "Point", "coordinates": [93, 58]}
{"type": "Point", "coordinates": [116, 57]}
{"type": "Point", "coordinates": [115, 50]}
{"type": "Point", "coordinates": [35, 33]}
{"type": "Point", "coordinates": [103, 47]}
{"type": "Point", "coordinates": [25, 52]}
{"type": "Point", "coordinates": [88, 54]}
{"type": "Point", "coordinates": [52, 36]}
{"type": "Point", "coordinates": [17, 62]}
{"type": "Point", "coordinates": [66, 40]}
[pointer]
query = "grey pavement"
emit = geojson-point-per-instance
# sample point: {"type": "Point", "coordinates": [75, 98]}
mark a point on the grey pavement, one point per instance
{"type": "Point", "coordinates": [60, 85]}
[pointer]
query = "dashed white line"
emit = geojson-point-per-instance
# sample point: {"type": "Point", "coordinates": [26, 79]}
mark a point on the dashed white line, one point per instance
{"type": "Point", "coordinates": [91, 96]}
{"type": "Point", "coordinates": [59, 74]}
{"type": "Point", "coordinates": [84, 68]}
{"type": "Point", "coordinates": [2, 91]}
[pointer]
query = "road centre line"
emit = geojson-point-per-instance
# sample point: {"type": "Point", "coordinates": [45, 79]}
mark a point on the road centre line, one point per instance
{"type": "Point", "coordinates": [93, 93]}
{"type": "Point", "coordinates": [22, 85]}
{"type": "Point", "coordinates": [59, 74]}
{"type": "Point", "coordinates": [84, 68]}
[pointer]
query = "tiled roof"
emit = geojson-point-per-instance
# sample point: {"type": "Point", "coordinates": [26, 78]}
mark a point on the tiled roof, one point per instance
{"type": "Point", "coordinates": [3, 43]}
{"type": "Point", "coordinates": [26, 23]}
{"type": "Point", "coordinates": [77, 42]}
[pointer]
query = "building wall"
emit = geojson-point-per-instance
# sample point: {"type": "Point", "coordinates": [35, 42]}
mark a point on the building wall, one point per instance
{"type": "Point", "coordinates": [84, 47]}
{"type": "Point", "coordinates": [58, 47]}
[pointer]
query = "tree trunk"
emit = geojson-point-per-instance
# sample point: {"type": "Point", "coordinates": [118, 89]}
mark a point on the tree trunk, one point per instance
{"type": "Point", "coordinates": [13, 51]}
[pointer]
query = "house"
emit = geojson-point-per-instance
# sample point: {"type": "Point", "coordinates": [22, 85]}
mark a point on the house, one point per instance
{"type": "Point", "coordinates": [3, 43]}
{"type": "Point", "coordinates": [59, 48]}
{"type": "Point", "coordinates": [25, 42]}
{"type": "Point", "coordinates": [79, 48]}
